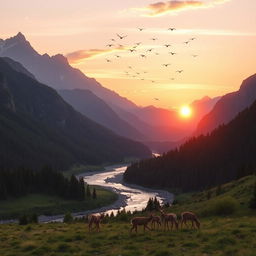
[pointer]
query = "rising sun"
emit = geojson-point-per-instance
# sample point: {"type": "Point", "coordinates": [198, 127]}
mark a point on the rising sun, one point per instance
{"type": "Point", "coordinates": [185, 111]}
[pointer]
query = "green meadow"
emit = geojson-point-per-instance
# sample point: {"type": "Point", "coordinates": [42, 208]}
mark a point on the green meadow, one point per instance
{"type": "Point", "coordinates": [228, 227]}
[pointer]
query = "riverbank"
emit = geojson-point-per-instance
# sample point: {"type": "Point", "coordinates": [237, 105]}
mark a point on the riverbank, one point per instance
{"type": "Point", "coordinates": [52, 207]}
{"type": "Point", "coordinates": [221, 234]}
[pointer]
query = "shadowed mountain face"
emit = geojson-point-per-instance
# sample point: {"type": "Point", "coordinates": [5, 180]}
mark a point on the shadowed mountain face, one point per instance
{"type": "Point", "coordinates": [226, 154]}
{"type": "Point", "coordinates": [38, 127]}
{"type": "Point", "coordinates": [96, 109]}
{"type": "Point", "coordinates": [140, 123]}
{"type": "Point", "coordinates": [229, 106]}
{"type": "Point", "coordinates": [56, 72]}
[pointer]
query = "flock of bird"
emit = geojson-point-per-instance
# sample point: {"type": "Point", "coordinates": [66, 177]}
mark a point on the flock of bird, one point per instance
{"type": "Point", "coordinates": [144, 53]}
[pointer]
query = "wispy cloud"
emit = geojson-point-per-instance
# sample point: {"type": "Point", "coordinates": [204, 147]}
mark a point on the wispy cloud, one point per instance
{"type": "Point", "coordinates": [80, 55]}
{"type": "Point", "coordinates": [162, 8]}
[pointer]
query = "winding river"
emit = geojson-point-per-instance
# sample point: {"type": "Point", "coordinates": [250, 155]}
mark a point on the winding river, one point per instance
{"type": "Point", "coordinates": [130, 197]}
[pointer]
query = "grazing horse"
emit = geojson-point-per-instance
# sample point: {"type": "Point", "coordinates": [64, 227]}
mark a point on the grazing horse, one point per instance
{"type": "Point", "coordinates": [190, 216]}
{"type": "Point", "coordinates": [95, 219]}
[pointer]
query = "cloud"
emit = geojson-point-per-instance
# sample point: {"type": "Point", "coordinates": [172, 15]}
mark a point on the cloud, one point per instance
{"type": "Point", "coordinates": [162, 8]}
{"type": "Point", "coordinates": [80, 55]}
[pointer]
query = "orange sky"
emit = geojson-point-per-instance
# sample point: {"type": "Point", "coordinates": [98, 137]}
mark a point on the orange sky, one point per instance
{"type": "Point", "coordinates": [225, 32]}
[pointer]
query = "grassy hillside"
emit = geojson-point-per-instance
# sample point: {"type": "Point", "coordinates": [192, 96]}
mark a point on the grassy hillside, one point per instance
{"type": "Point", "coordinates": [229, 235]}
{"type": "Point", "coordinates": [53, 205]}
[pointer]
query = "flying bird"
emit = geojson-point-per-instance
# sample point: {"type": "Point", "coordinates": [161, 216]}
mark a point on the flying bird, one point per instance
{"type": "Point", "coordinates": [194, 55]}
{"type": "Point", "coordinates": [166, 65]}
{"type": "Point", "coordinates": [187, 42]}
{"type": "Point", "coordinates": [157, 53]}
{"type": "Point", "coordinates": [150, 50]}
{"type": "Point", "coordinates": [143, 56]}
{"type": "Point", "coordinates": [179, 71]}
{"type": "Point", "coordinates": [138, 43]}
{"type": "Point", "coordinates": [110, 45]}
{"type": "Point", "coordinates": [172, 29]}
{"type": "Point", "coordinates": [192, 39]}
{"type": "Point", "coordinates": [132, 50]}
{"type": "Point", "coordinates": [167, 45]}
{"type": "Point", "coordinates": [141, 29]}
{"type": "Point", "coordinates": [118, 56]}
{"type": "Point", "coordinates": [130, 67]}
{"type": "Point", "coordinates": [108, 60]}
{"type": "Point", "coordinates": [156, 99]}
{"type": "Point", "coordinates": [121, 37]}
{"type": "Point", "coordinates": [153, 39]}
{"type": "Point", "coordinates": [172, 53]}
{"type": "Point", "coordinates": [112, 39]}
{"type": "Point", "coordinates": [120, 45]}
{"type": "Point", "coordinates": [172, 78]}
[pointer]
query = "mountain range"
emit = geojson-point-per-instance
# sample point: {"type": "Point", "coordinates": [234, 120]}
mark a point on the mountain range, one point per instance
{"type": "Point", "coordinates": [38, 127]}
{"type": "Point", "coordinates": [207, 160]}
{"type": "Point", "coordinates": [228, 107]}
{"type": "Point", "coordinates": [146, 124]}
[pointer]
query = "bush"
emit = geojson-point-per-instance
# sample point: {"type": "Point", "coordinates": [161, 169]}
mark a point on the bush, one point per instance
{"type": "Point", "coordinates": [223, 206]}
{"type": "Point", "coordinates": [68, 218]}
{"type": "Point", "coordinates": [23, 220]}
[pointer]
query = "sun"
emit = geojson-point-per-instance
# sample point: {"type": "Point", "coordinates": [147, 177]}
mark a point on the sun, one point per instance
{"type": "Point", "coordinates": [185, 111]}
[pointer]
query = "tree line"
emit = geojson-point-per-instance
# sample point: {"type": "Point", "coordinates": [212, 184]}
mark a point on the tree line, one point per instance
{"type": "Point", "coordinates": [22, 181]}
{"type": "Point", "coordinates": [226, 154]}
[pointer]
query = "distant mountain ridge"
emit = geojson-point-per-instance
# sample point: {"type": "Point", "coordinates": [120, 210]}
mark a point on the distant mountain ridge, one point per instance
{"type": "Point", "coordinates": [96, 109]}
{"type": "Point", "coordinates": [55, 71]}
{"type": "Point", "coordinates": [225, 154]}
{"type": "Point", "coordinates": [38, 127]}
{"type": "Point", "coordinates": [229, 106]}
{"type": "Point", "coordinates": [141, 123]}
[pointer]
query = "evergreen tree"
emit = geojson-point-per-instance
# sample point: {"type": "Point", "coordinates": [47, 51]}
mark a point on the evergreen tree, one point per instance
{"type": "Point", "coordinates": [94, 195]}
{"type": "Point", "coordinates": [218, 190]}
{"type": "Point", "coordinates": [88, 191]}
{"type": "Point", "coordinates": [253, 200]}
{"type": "Point", "coordinates": [82, 188]}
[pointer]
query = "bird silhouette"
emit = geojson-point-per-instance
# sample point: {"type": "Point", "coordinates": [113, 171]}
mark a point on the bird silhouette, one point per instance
{"type": "Point", "coordinates": [121, 37]}
{"type": "Point", "coordinates": [194, 55]}
{"type": "Point", "coordinates": [130, 67]}
{"type": "Point", "coordinates": [152, 81]}
{"type": "Point", "coordinates": [167, 45]}
{"type": "Point", "coordinates": [156, 99]}
{"type": "Point", "coordinates": [132, 50]}
{"type": "Point", "coordinates": [143, 56]}
{"type": "Point", "coordinates": [120, 45]}
{"type": "Point", "coordinates": [157, 53]}
{"type": "Point", "coordinates": [138, 43]}
{"type": "Point", "coordinates": [141, 29]}
{"type": "Point", "coordinates": [110, 45]}
{"type": "Point", "coordinates": [172, 53]}
{"type": "Point", "coordinates": [179, 71]}
{"type": "Point", "coordinates": [108, 60]}
{"type": "Point", "coordinates": [172, 78]}
{"type": "Point", "coordinates": [192, 39]}
{"type": "Point", "coordinates": [118, 56]}
{"type": "Point", "coordinates": [166, 65]}
{"type": "Point", "coordinates": [187, 42]}
{"type": "Point", "coordinates": [153, 39]}
{"type": "Point", "coordinates": [150, 50]}
{"type": "Point", "coordinates": [172, 29]}
{"type": "Point", "coordinates": [112, 39]}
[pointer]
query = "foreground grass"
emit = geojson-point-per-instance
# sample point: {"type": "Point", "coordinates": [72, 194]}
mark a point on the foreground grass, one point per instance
{"type": "Point", "coordinates": [232, 235]}
{"type": "Point", "coordinates": [218, 236]}
{"type": "Point", "coordinates": [53, 205]}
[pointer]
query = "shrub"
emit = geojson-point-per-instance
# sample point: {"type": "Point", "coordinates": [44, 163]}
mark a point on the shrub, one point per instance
{"type": "Point", "coordinates": [68, 218]}
{"type": "Point", "coordinates": [222, 206]}
{"type": "Point", "coordinates": [23, 220]}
